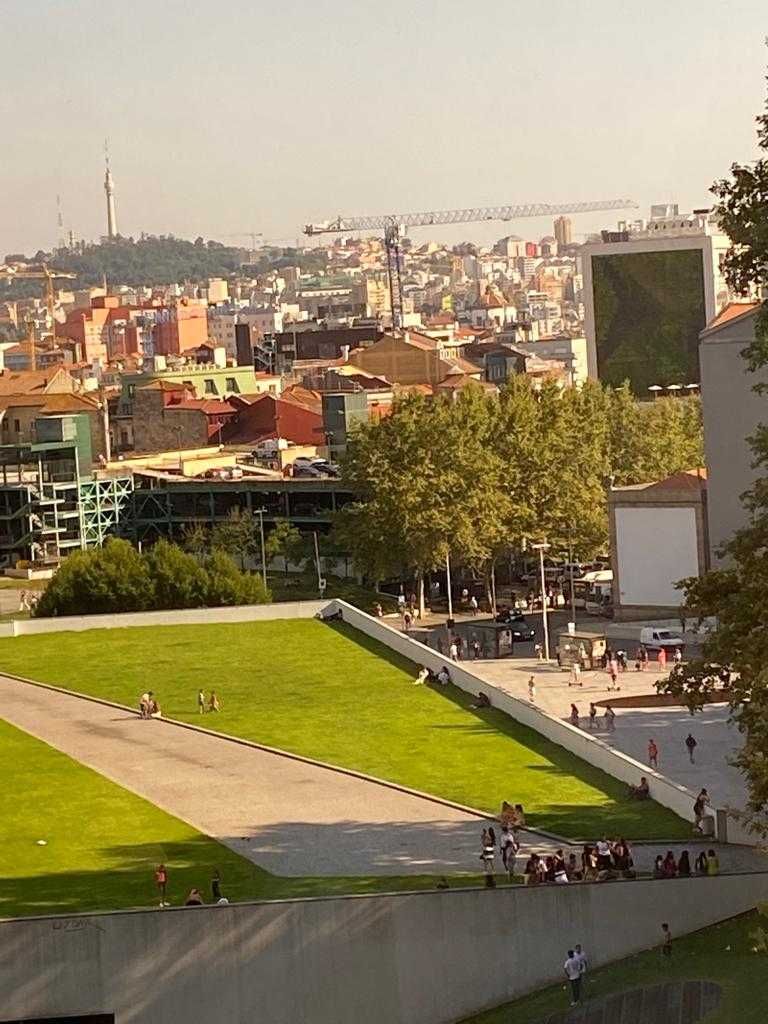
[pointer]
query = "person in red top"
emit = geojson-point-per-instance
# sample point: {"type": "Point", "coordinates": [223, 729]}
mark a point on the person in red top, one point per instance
{"type": "Point", "coordinates": [161, 881]}
{"type": "Point", "coordinates": [653, 754]}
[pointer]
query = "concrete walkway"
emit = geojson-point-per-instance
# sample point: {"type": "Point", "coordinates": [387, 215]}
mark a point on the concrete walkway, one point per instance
{"type": "Point", "coordinates": [289, 817]}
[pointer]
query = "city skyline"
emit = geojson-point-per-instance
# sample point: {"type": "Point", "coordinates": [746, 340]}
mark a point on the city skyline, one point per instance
{"type": "Point", "coordinates": [215, 138]}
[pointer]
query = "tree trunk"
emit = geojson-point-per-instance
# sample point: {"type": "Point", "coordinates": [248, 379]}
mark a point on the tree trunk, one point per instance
{"type": "Point", "coordinates": [420, 592]}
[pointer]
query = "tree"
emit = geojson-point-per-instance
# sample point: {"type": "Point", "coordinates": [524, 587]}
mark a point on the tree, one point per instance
{"type": "Point", "coordinates": [227, 585]}
{"type": "Point", "coordinates": [117, 578]}
{"type": "Point", "coordinates": [428, 482]}
{"type": "Point", "coordinates": [114, 578]}
{"type": "Point", "coordinates": [285, 541]}
{"type": "Point", "coordinates": [179, 581]}
{"type": "Point", "coordinates": [238, 535]}
{"type": "Point", "coordinates": [196, 539]}
{"type": "Point", "coordinates": [737, 594]}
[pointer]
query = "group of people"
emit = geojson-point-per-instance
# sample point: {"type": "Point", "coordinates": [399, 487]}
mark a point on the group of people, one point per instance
{"type": "Point", "coordinates": [608, 716]}
{"type": "Point", "coordinates": [511, 820]}
{"type": "Point", "coordinates": [148, 706]}
{"type": "Point", "coordinates": [707, 863]}
{"type": "Point", "coordinates": [210, 704]}
{"type": "Point", "coordinates": [603, 861]}
{"type": "Point", "coordinates": [426, 675]}
{"type": "Point", "coordinates": [195, 896]}
{"type": "Point", "coordinates": [458, 649]}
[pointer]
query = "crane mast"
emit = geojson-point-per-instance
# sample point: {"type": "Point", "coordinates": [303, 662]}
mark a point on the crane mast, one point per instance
{"type": "Point", "coordinates": [392, 224]}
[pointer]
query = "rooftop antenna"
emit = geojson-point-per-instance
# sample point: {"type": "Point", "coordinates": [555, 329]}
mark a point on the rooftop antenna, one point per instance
{"type": "Point", "coordinates": [60, 223]}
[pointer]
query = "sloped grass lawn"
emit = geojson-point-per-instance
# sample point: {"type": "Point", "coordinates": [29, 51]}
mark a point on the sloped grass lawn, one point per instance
{"type": "Point", "coordinates": [722, 954]}
{"type": "Point", "coordinates": [104, 843]}
{"type": "Point", "coordinates": [331, 693]}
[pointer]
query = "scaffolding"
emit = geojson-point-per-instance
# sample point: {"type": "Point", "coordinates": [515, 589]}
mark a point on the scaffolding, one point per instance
{"type": "Point", "coordinates": [104, 506]}
{"type": "Point", "coordinates": [47, 509]}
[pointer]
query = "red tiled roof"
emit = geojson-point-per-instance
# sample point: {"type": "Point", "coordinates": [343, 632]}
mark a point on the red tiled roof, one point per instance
{"type": "Point", "coordinates": [732, 311]}
{"type": "Point", "coordinates": [210, 406]}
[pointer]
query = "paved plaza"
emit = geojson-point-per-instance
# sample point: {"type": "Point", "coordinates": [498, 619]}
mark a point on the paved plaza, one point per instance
{"type": "Point", "coordinates": [668, 726]}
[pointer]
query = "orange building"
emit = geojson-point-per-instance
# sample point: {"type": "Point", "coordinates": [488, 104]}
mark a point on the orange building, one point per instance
{"type": "Point", "coordinates": [185, 327]}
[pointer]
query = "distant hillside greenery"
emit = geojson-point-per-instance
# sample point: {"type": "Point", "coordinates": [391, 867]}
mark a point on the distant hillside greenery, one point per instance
{"type": "Point", "coordinates": [157, 260]}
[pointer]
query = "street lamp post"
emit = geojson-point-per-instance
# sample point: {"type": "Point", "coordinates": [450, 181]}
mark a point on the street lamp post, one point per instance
{"type": "Point", "coordinates": [448, 587]}
{"type": "Point", "coordinates": [570, 566]}
{"type": "Point", "coordinates": [541, 548]}
{"type": "Point", "coordinates": [261, 512]}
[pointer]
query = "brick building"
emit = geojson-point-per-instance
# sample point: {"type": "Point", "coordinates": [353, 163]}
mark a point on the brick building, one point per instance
{"type": "Point", "coordinates": [168, 416]}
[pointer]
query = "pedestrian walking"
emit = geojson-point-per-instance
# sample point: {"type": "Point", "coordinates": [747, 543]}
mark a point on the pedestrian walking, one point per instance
{"type": "Point", "coordinates": [653, 754]}
{"type": "Point", "coordinates": [690, 745]}
{"type": "Point", "coordinates": [575, 676]}
{"type": "Point", "coordinates": [572, 968]}
{"type": "Point", "coordinates": [532, 690]}
{"type": "Point", "coordinates": [592, 716]}
{"type": "Point", "coordinates": [407, 619]}
{"type": "Point", "coordinates": [666, 942]}
{"type": "Point", "coordinates": [574, 716]}
{"type": "Point", "coordinates": [453, 651]}
{"type": "Point", "coordinates": [200, 702]}
{"type": "Point", "coordinates": [661, 658]}
{"type": "Point", "coordinates": [488, 854]}
{"type": "Point", "coordinates": [699, 809]}
{"type": "Point", "coordinates": [642, 655]}
{"type": "Point", "coordinates": [713, 863]}
{"type": "Point", "coordinates": [581, 956]}
{"type": "Point", "coordinates": [401, 601]}
{"type": "Point", "coordinates": [677, 657]}
{"type": "Point", "coordinates": [613, 672]}
{"type": "Point", "coordinates": [476, 648]}
{"type": "Point", "coordinates": [161, 881]}
{"type": "Point", "coordinates": [621, 658]}
{"type": "Point", "coordinates": [610, 718]}
{"type": "Point", "coordinates": [213, 703]}
{"type": "Point", "coordinates": [473, 605]}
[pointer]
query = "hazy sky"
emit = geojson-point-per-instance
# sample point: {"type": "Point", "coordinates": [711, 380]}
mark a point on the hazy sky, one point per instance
{"type": "Point", "coordinates": [254, 115]}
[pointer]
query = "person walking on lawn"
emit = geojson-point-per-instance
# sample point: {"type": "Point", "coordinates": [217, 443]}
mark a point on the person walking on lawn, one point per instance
{"type": "Point", "coordinates": [572, 968]}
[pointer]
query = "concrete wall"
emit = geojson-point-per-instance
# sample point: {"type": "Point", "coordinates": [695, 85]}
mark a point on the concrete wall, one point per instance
{"type": "Point", "coordinates": [731, 412]}
{"type": "Point", "coordinates": [655, 547]}
{"type": "Point", "coordinates": [589, 748]}
{"type": "Point", "coordinates": [420, 958]}
{"type": "Point", "coordinates": [181, 617]}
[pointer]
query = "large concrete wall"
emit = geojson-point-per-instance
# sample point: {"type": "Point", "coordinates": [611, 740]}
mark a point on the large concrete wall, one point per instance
{"type": "Point", "coordinates": [420, 958]}
{"type": "Point", "coordinates": [180, 617]}
{"type": "Point", "coordinates": [732, 412]}
{"type": "Point", "coordinates": [589, 748]}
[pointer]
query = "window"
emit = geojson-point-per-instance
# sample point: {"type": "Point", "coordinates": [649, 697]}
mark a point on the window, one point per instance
{"type": "Point", "coordinates": [210, 387]}
{"type": "Point", "coordinates": [232, 386]}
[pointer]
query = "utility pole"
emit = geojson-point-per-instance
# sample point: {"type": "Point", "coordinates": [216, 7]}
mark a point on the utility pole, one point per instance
{"type": "Point", "coordinates": [541, 548]}
{"type": "Point", "coordinates": [261, 512]}
{"type": "Point", "coordinates": [448, 587]}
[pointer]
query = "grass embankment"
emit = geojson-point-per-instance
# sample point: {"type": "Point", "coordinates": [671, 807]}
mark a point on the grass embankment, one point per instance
{"type": "Point", "coordinates": [330, 693]}
{"type": "Point", "coordinates": [722, 954]}
{"type": "Point", "coordinates": [103, 843]}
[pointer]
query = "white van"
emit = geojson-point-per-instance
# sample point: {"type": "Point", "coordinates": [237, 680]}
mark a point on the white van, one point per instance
{"type": "Point", "coordinates": [655, 639]}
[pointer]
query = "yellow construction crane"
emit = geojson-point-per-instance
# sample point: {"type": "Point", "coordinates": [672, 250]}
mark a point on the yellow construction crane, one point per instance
{"type": "Point", "coordinates": [36, 271]}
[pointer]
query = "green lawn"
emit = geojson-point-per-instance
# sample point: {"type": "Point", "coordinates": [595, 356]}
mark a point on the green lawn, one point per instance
{"type": "Point", "coordinates": [722, 954]}
{"type": "Point", "coordinates": [331, 693]}
{"type": "Point", "coordinates": [104, 843]}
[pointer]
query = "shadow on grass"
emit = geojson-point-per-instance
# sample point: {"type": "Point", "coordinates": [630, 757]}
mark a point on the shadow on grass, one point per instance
{"type": "Point", "coordinates": [127, 880]}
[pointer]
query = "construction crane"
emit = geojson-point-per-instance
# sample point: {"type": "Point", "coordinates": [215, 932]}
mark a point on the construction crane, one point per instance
{"type": "Point", "coordinates": [393, 224]}
{"type": "Point", "coordinates": [36, 271]}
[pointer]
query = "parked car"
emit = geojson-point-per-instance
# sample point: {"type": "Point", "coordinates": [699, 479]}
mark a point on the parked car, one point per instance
{"type": "Point", "coordinates": [520, 628]}
{"type": "Point", "coordinates": [326, 467]}
{"type": "Point", "coordinates": [655, 639]}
